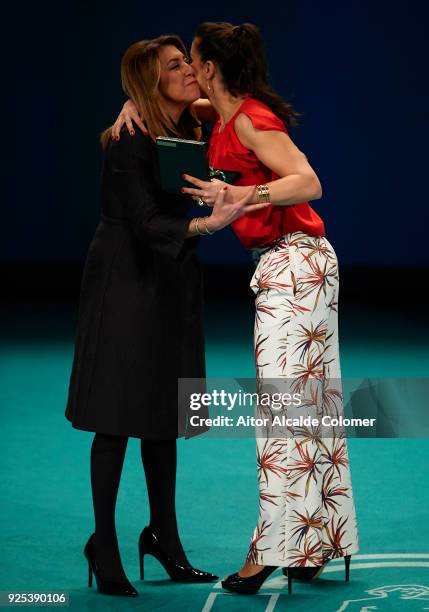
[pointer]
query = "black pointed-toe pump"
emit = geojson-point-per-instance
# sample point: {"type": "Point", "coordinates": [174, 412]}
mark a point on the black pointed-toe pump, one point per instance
{"type": "Point", "coordinates": [149, 544]}
{"type": "Point", "coordinates": [306, 574]}
{"type": "Point", "coordinates": [108, 587]}
{"type": "Point", "coordinates": [251, 584]}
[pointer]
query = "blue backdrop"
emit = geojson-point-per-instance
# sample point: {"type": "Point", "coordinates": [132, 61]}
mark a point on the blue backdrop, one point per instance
{"type": "Point", "coordinates": [356, 70]}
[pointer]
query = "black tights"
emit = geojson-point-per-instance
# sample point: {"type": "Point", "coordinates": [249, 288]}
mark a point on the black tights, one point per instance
{"type": "Point", "coordinates": [159, 459]}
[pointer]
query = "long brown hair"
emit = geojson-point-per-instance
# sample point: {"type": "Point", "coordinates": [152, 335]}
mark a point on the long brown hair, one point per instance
{"type": "Point", "coordinates": [140, 76]}
{"type": "Point", "coordinates": [239, 54]}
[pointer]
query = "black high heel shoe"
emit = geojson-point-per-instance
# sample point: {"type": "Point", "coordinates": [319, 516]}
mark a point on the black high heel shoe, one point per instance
{"type": "Point", "coordinates": [306, 574]}
{"type": "Point", "coordinates": [251, 584]}
{"type": "Point", "coordinates": [149, 544]}
{"type": "Point", "coordinates": [107, 587]}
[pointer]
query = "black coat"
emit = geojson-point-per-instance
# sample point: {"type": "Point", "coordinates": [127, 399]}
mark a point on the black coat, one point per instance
{"type": "Point", "coordinates": [140, 323]}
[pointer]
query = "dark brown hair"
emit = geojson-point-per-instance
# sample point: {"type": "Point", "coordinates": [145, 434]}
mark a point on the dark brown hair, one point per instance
{"type": "Point", "coordinates": [140, 76]}
{"type": "Point", "coordinates": [239, 53]}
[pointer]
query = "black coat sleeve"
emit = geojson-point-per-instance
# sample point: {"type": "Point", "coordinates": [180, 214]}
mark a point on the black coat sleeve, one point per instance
{"type": "Point", "coordinates": [131, 164]}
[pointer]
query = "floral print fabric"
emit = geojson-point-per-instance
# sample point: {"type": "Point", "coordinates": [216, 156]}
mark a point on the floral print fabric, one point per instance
{"type": "Point", "coordinates": [306, 508]}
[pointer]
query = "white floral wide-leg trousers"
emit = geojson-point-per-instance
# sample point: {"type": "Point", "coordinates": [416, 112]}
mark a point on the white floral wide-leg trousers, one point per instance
{"type": "Point", "coordinates": [306, 508]}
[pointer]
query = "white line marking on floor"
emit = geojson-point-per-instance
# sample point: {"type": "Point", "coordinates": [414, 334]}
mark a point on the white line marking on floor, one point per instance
{"type": "Point", "coordinates": [272, 602]}
{"type": "Point", "coordinates": [354, 566]}
{"type": "Point", "coordinates": [209, 602]}
{"type": "Point", "coordinates": [409, 592]}
{"type": "Point", "coordinates": [386, 556]}
{"type": "Point", "coordinates": [270, 606]}
{"type": "Point", "coordinates": [280, 582]}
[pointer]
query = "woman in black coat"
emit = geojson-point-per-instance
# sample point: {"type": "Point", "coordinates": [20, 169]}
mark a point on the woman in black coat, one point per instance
{"type": "Point", "coordinates": [140, 322]}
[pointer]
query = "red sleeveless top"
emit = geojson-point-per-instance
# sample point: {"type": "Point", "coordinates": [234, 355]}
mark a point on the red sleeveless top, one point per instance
{"type": "Point", "coordinates": [226, 152]}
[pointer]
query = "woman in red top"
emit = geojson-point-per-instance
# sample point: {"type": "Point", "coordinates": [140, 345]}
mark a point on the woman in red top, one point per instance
{"type": "Point", "coordinates": [306, 508]}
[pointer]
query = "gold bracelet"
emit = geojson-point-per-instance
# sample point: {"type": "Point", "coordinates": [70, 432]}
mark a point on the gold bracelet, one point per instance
{"type": "Point", "coordinates": [263, 193]}
{"type": "Point", "coordinates": [207, 229]}
{"type": "Point", "coordinates": [197, 229]}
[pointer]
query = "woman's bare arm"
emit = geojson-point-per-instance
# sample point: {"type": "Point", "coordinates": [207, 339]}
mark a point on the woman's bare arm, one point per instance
{"type": "Point", "coordinates": [204, 110]}
{"type": "Point", "coordinates": [298, 181]}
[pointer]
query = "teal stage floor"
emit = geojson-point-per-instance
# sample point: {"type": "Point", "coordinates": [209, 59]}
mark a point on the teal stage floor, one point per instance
{"type": "Point", "coordinates": [46, 504]}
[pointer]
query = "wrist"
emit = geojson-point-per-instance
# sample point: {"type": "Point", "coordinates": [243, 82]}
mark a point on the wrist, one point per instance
{"type": "Point", "coordinates": [205, 226]}
{"type": "Point", "coordinates": [236, 192]}
{"type": "Point", "coordinates": [241, 191]}
{"type": "Point", "coordinates": [211, 224]}
{"type": "Point", "coordinates": [262, 193]}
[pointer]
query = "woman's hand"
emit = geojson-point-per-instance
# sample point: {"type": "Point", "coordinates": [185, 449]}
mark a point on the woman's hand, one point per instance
{"type": "Point", "coordinates": [225, 211]}
{"type": "Point", "coordinates": [207, 191]}
{"type": "Point", "coordinates": [127, 115]}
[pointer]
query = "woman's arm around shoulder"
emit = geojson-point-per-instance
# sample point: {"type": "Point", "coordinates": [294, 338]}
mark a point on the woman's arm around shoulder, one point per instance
{"type": "Point", "coordinates": [204, 110]}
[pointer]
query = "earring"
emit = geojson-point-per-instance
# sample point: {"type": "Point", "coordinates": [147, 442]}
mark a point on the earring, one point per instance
{"type": "Point", "coordinates": [209, 89]}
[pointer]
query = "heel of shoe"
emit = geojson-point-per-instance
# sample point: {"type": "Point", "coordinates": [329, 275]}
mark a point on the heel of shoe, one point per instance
{"type": "Point", "coordinates": [149, 544]}
{"type": "Point", "coordinates": [141, 555]}
{"type": "Point", "coordinates": [109, 587]}
{"type": "Point", "coordinates": [347, 566]}
{"type": "Point", "coordinates": [289, 583]}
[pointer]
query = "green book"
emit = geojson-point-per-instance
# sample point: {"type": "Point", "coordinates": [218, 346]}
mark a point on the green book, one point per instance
{"type": "Point", "coordinates": [178, 156]}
